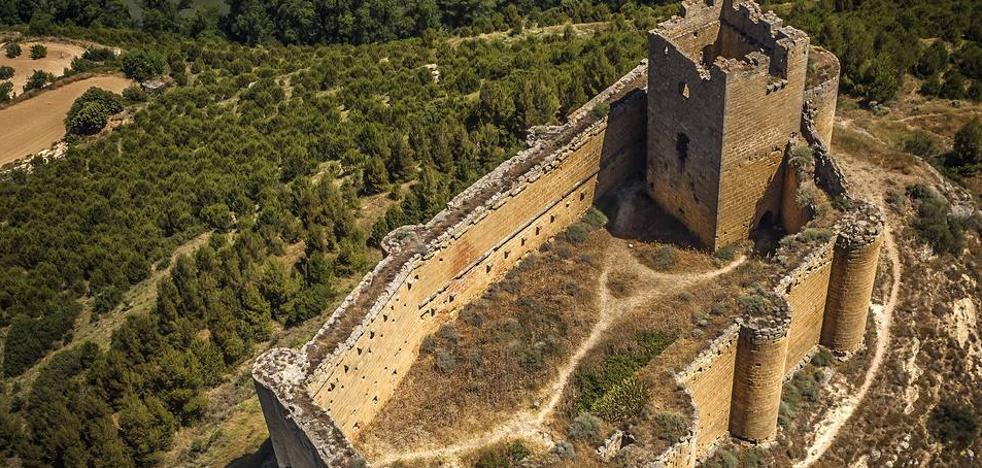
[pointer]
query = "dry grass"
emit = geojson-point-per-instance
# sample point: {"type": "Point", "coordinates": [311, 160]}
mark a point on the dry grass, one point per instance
{"type": "Point", "coordinates": [498, 353]}
{"type": "Point", "coordinates": [691, 316]}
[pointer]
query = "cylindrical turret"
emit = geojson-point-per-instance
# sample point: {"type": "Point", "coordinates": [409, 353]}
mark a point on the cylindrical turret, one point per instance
{"type": "Point", "coordinates": [759, 373]}
{"type": "Point", "coordinates": [857, 253]}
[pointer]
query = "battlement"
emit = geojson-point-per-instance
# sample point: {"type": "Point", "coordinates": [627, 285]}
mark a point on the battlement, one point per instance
{"type": "Point", "coordinates": [725, 102]}
{"type": "Point", "coordinates": [729, 37]}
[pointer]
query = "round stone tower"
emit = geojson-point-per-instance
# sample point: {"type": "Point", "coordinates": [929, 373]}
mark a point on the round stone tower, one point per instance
{"type": "Point", "coordinates": [759, 374]}
{"type": "Point", "coordinates": [854, 262]}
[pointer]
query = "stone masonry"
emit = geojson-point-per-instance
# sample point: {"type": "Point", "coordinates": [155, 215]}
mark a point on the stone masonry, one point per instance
{"type": "Point", "coordinates": [726, 97]}
{"type": "Point", "coordinates": [725, 90]}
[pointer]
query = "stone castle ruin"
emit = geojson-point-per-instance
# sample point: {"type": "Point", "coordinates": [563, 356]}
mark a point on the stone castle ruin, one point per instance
{"type": "Point", "coordinates": [710, 122]}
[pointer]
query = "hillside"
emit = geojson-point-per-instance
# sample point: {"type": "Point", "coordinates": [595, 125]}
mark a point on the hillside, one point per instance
{"type": "Point", "coordinates": [146, 269]}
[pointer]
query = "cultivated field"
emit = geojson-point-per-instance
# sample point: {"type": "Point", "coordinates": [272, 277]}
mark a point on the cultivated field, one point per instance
{"type": "Point", "coordinates": [35, 124]}
{"type": "Point", "coordinates": [59, 58]}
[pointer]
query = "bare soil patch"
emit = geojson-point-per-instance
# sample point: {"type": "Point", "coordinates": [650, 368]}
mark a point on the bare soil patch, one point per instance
{"type": "Point", "coordinates": [35, 124]}
{"type": "Point", "coordinates": [60, 56]}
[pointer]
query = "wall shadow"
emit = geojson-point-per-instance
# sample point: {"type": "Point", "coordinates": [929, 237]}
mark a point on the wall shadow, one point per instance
{"type": "Point", "coordinates": [263, 457]}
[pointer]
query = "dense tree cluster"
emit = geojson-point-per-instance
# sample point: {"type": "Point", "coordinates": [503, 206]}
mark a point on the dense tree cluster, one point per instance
{"type": "Point", "coordinates": [90, 112]}
{"type": "Point", "coordinates": [879, 41]}
{"type": "Point", "coordinates": [314, 21]}
{"type": "Point", "coordinates": [269, 149]}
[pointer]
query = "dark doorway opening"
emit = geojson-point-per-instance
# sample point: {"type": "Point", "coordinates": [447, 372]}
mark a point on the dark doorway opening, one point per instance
{"type": "Point", "coordinates": [767, 234]}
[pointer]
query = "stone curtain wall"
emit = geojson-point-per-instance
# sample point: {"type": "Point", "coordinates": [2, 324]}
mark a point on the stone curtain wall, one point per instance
{"type": "Point", "coordinates": [367, 374]}
{"type": "Point", "coordinates": [315, 399]}
{"type": "Point", "coordinates": [806, 289]}
{"type": "Point", "coordinates": [823, 93]}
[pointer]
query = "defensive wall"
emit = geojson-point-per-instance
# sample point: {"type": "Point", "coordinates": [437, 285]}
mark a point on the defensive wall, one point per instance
{"type": "Point", "coordinates": [317, 398]}
{"type": "Point", "coordinates": [823, 299]}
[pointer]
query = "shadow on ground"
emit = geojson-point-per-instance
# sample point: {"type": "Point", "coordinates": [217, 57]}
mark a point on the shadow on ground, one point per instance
{"type": "Point", "coordinates": [261, 458]}
{"type": "Point", "coordinates": [630, 212]}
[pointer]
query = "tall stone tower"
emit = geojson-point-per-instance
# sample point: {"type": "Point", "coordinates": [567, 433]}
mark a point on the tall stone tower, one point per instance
{"type": "Point", "coordinates": [725, 89]}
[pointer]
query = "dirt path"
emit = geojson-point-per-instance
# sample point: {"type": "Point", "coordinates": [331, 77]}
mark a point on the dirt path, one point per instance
{"type": "Point", "coordinates": [36, 123]}
{"type": "Point", "coordinates": [869, 187]}
{"type": "Point", "coordinates": [531, 425]}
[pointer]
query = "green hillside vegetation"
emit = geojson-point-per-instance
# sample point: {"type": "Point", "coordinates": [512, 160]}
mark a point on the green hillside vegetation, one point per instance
{"type": "Point", "coordinates": [246, 144]}
{"type": "Point", "coordinates": [240, 150]}
{"type": "Point", "coordinates": [879, 41]}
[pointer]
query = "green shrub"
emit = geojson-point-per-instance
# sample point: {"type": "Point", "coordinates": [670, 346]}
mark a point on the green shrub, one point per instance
{"type": "Point", "coordinates": [823, 358]}
{"type": "Point", "coordinates": [934, 223]}
{"type": "Point", "coordinates": [953, 424]}
{"type": "Point", "coordinates": [585, 427]}
{"type": "Point", "coordinates": [608, 391]}
{"type": "Point", "coordinates": [6, 72]}
{"type": "Point", "coordinates": [143, 65]}
{"type": "Point", "coordinates": [577, 233]}
{"type": "Point", "coordinates": [966, 155]}
{"type": "Point", "coordinates": [38, 80]}
{"type": "Point", "coordinates": [502, 456]}
{"type": "Point", "coordinates": [595, 217]}
{"type": "Point", "coordinates": [722, 459]}
{"type": "Point", "coordinates": [726, 253]}
{"type": "Point", "coordinates": [98, 54]}
{"type": "Point", "coordinates": [921, 144]}
{"type": "Point", "coordinates": [665, 257]}
{"type": "Point", "coordinates": [671, 426]}
{"type": "Point", "coordinates": [6, 91]}
{"type": "Point", "coordinates": [89, 119]}
{"type": "Point", "coordinates": [601, 110]}
{"type": "Point", "coordinates": [38, 52]}
{"type": "Point", "coordinates": [12, 50]}
{"type": "Point", "coordinates": [135, 94]}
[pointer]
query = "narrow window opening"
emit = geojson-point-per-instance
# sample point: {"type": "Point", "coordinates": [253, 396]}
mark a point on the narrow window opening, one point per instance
{"type": "Point", "coordinates": [682, 147]}
{"type": "Point", "coordinates": [552, 218]}
{"type": "Point", "coordinates": [582, 196]}
{"type": "Point", "coordinates": [487, 269]}
{"type": "Point", "coordinates": [523, 242]}
{"type": "Point", "coordinates": [506, 254]}
{"type": "Point", "coordinates": [537, 230]}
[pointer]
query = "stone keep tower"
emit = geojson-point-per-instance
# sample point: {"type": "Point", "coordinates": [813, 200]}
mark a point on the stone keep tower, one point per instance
{"type": "Point", "coordinates": [725, 89]}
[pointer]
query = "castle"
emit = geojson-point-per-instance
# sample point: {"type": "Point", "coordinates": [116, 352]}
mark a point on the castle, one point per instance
{"type": "Point", "coordinates": [709, 122]}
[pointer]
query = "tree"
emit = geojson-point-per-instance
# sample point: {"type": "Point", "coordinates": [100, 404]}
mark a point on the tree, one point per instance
{"type": "Point", "coordinates": [6, 89]}
{"type": "Point", "coordinates": [38, 51]}
{"type": "Point", "coordinates": [38, 80]}
{"type": "Point", "coordinates": [953, 424]}
{"type": "Point", "coordinates": [6, 72]}
{"type": "Point", "coordinates": [967, 151]}
{"type": "Point", "coordinates": [953, 86]}
{"type": "Point", "coordinates": [374, 177]}
{"type": "Point", "coordinates": [143, 65]}
{"type": "Point", "coordinates": [933, 60]}
{"type": "Point", "coordinates": [13, 50]}
{"type": "Point", "coordinates": [90, 112]}
{"type": "Point", "coordinates": [89, 120]}
{"type": "Point", "coordinates": [146, 427]}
